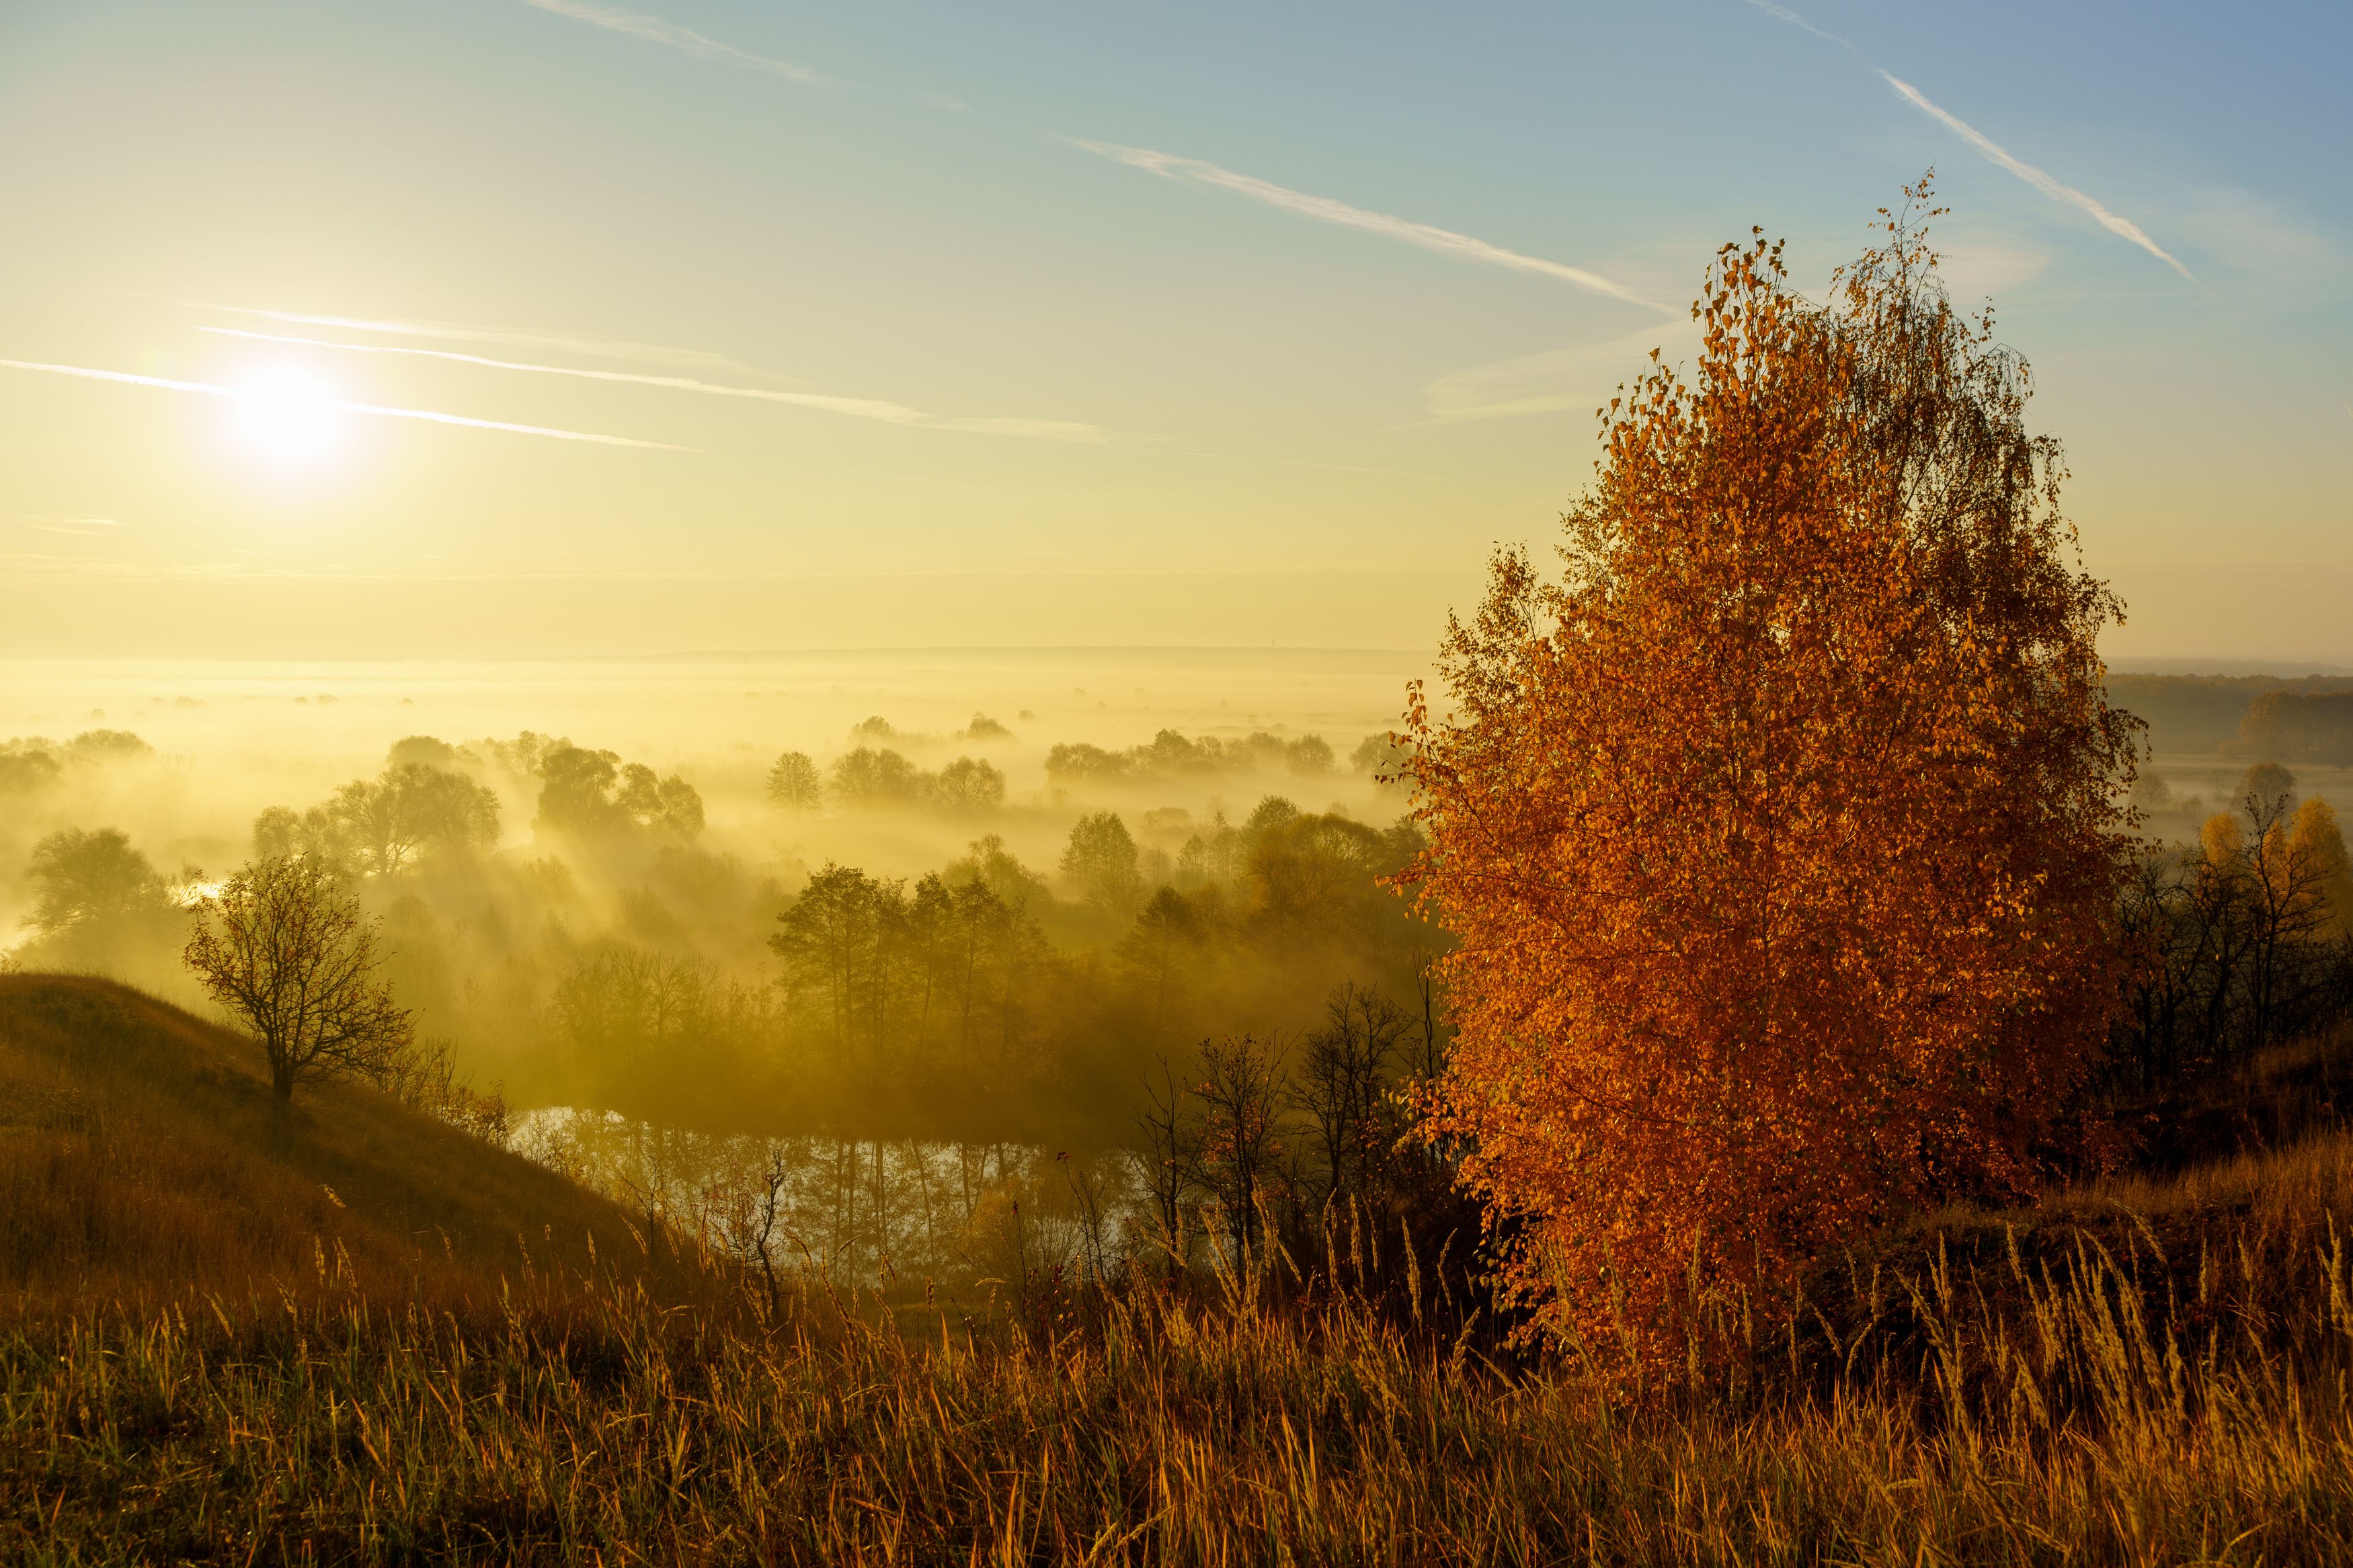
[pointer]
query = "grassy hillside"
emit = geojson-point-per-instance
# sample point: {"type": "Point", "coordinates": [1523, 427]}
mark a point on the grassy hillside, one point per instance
{"type": "Point", "coordinates": [142, 1156]}
{"type": "Point", "coordinates": [2146, 1369]}
{"type": "Point", "coordinates": [2099, 1417]}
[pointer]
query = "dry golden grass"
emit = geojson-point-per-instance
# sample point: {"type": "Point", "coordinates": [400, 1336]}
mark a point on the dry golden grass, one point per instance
{"type": "Point", "coordinates": [143, 1159]}
{"type": "Point", "coordinates": [1151, 1431]}
{"type": "Point", "coordinates": [2067, 1384]}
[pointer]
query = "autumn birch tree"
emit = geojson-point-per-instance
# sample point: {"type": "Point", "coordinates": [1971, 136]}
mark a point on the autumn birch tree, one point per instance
{"type": "Point", "coordinates": [1780, 833]}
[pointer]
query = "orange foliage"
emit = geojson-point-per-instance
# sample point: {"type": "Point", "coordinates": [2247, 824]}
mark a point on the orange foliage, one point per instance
{"type": "Point", "coordinates": [1781, 836]}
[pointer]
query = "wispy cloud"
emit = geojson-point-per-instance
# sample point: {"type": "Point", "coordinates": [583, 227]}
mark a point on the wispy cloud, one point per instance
{"type": "Point", "coordinates": [213, 389]}
{"type": "Point", "coordinates": [1035, 429]}
{"type": "Point", "coordinates": [855, 408]}
{"type": "Point", "coordinates": [653, 29]}
{"type": "Point", "coordinates": [2258, 237]}
{"type": "Point", "coordinates": [448, 331]}
{"type": "Point", "coordinates": [1324, 209]}
{"type": "Point", "coordinates": [73, 527]}
{"type": "Point", "coordinates": [1557, 381]}
{"type": "Point", "coordinates": [1982, 263]}
{"type": "Point", "coordinates": [1783, 14]}
{"type": "Point", "coordinates": [2121, 226]}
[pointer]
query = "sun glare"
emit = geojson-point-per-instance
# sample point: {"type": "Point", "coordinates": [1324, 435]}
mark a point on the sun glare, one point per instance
{"type": "Point", "coordinates": [287, 415]}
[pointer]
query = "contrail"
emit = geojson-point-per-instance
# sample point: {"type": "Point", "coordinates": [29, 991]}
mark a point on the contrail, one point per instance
{"type": "Point", "coordinates": [856, 407]}
{"type": "Point", "coordinates": [213, 389]}
{"type": "Point", "coordinates": [1324, 209]}
{"type": "Point", "coordinates": [653, 29]}
{"type": "Point", "coordinates": [2122, 226]}
{"type": "Point", "coordinates": [122, 375]}
{"type": "Point", "coordinates": [1783, 14]}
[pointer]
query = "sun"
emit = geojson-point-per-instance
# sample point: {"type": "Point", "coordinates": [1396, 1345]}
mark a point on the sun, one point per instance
{"type": "Point", "coordinates": [287, 414]}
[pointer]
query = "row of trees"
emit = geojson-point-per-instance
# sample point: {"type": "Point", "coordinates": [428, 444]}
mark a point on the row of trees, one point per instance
{"type": "Point", "coordinates": [973, 994]}
{"type": "Point", "coordinates": [31, 764]}
{"type": "Point", "coordinates": [959, 967]}
{"type": "Point", "coordinates": [2299, 727]}
{"type": "Point", "coordinates": [1170, 755]}
{"type": "Point", "coordinates": [980, 730]}
{"type": "Point", "coordinates": [1302, 864]}
{"type": "Point", "coordinates": [428, 805]}
{"type": "Point", "coordinates": [380, 826]}
{"type": "Point", "coordinates": [872, 774]}
{"type": "Point", "coordinates": [947, 969]}
{"type": "Point", "coordinates": [869, 776]}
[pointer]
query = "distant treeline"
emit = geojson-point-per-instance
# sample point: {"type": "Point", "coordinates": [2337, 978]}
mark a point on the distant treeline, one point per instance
{"type": "Point", "coordinates": [2262, 718]}
{"type": "Point", "coordinates": [31, 763]}
{"type": "Point", "coordinates": [1172, 755]}
{"type": "Point", "coordinates": [616, 958]}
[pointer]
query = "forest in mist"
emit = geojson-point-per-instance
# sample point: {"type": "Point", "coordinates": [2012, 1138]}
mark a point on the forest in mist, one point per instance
{"type": "Point", "coordinates": [913, 952]}
{"type": "Point", "coordinates": [929, 964]}
{"type": "Point", "coordinates": [898, 925]}
{"type": "Point", "coordinates": [981, 930]}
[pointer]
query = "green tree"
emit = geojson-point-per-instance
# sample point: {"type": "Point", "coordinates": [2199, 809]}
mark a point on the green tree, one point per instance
{"type": "Point", "coordinates": [1382, 759]}
{"type": "Point", "coordinates": [969, 786]}
{"type": "Point", "coordinates": [1166, 932]}
{"type": "Point", "coordinates": [794, 784]}
{"type": "Point", "coordinates": [830, 942]}
{"type": "Point", "coordinates": [869, 777]}
{"type": "Point", "coordinates": [84, 881]}
{"type": "Point", "coordinates": [575, 791]}
{"type": "Point", "coordinates": [1101, 862]}
{"type": "Point", "coordinates": [591, 795]}
{"type": "Point", "coordinates": [412, 810]}
{"type": "Point", "coordinates": [27, 769]}
{"type": "Point", "coordinates": [107, 746]}
{"type": "Point", "coordinates": [1310, 757]}
{"type": "Point", "coordinates": [666, 806]}
{"type": "Point", "coordinates": [983, 728]}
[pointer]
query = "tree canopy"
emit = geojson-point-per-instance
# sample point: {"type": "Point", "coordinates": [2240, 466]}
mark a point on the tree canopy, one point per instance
{"type": "Point", "coordinates": [1781, 834]}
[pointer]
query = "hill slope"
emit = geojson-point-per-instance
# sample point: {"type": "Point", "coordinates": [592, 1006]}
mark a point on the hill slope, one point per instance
{"type": "Point", "coordinates": [143, 1155]}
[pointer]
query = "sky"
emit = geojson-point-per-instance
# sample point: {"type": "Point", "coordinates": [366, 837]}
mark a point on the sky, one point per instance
{"type": "Point", "coordinates": [553, 327]}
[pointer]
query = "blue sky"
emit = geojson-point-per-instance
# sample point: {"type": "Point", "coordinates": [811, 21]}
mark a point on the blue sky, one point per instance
{"type": "Point", "coordinates": [1056, 294]}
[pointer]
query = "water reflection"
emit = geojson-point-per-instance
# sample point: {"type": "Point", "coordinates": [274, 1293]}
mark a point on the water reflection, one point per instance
{"type": "Point", "coordinates": [898, 1216]}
